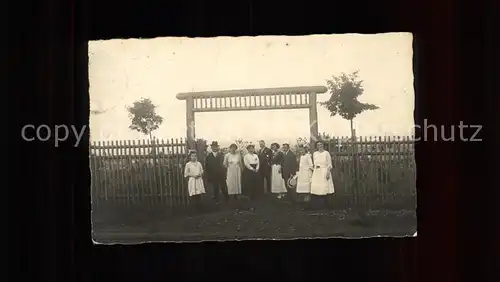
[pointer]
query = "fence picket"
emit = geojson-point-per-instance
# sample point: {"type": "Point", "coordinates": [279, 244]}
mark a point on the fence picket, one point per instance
{"type": "Point", "coordinates": [161, 172]}
{"type": "Point", "coordinates": [142, 172]}
{"type": "Point", "coordinates": [135, 173]}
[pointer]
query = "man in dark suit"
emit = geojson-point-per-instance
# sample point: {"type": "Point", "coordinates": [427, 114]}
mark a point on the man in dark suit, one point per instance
{"type": "Point", "coordinates": [216, 172]}
{"type": "Point", "coordinates": [288, 169]}
{"type": "Point", "coordinates": [265, 154]}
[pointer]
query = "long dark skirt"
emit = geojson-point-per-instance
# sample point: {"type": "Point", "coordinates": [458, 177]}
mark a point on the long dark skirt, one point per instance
{"type": "Point", "coordinates": [251, 183]}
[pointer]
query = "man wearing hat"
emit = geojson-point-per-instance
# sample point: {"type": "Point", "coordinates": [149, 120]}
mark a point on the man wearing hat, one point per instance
{"type": "Point", "coordinates": [289, 169]}
{"type": "Point", "coordinates": [216, 172]}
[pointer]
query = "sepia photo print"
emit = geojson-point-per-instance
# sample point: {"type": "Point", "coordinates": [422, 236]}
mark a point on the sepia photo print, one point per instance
{"type": "Point", "coordinates": [239, 138]}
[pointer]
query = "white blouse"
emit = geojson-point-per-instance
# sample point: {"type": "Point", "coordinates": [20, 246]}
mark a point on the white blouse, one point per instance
{"type": "Point", "coordinates": [231, 159]}
{"type": "Point", "coordinates": [251, 159]}
{"type": "Point", "coordinates": [193, 169]}
{"type": "Point", "coordinates": [306, 162]}
{"type": "Point", "coordinates": [322, 159]}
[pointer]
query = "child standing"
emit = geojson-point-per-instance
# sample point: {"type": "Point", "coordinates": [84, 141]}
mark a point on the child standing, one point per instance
{"type": "Point", "coordinates": [194, 172]}
{"type": "Point", "coordinates": [304, 175]}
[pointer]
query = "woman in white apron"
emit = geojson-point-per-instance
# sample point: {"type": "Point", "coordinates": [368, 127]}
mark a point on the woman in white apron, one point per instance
{"type": "Point", "coordinates": [321, 180]}
{"type": "Point", "coordinates": [304, 175]}
{"type": "Point", "coordinates": [278, 186]}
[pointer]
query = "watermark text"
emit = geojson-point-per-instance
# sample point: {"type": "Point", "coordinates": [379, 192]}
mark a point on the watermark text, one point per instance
{"type": "Point", "coordinates": [58, 133]}
{"type": "Point", "coordinates": [448, 133]}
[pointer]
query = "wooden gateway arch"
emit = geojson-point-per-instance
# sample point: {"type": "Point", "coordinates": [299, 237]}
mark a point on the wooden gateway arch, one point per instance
{"type": "Point", "coordinates": [252, 99]}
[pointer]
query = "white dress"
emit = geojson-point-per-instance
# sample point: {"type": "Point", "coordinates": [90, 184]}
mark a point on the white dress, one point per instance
{"type": "Point", "coordinates": [304, 175]}
{"type": "Point", "coordinates": [233, 180]}
{"type": "Point", "coordinates": [320, 185]}
{"type": "Point", "coordinates": [195, 185]}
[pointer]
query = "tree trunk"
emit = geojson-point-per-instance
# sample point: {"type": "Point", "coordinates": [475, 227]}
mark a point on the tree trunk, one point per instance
{"type": "Point", "coordinates": [352, 129]}
{"type": "Point", "coordinates": [153, 145]}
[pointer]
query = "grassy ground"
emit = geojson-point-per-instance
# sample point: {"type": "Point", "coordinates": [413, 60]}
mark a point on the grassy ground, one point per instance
{"type": "Point", "coordinates": [264, 219]}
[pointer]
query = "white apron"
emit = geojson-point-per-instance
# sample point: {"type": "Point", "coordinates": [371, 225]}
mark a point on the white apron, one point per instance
{"type": "Point", "coordinates": [277, 181]}
{"type": "Point", "coordinates": [304, 175]}
{"type": "Point", "coordinates": [320, 185]}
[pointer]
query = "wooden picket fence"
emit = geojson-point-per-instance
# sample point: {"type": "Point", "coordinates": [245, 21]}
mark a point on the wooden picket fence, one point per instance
{"type": "Point", "coordinates": [374, 171]}
{"type": "Point", "coordinates": [371, 172]}
{"type": "Point", "coordinates": [141, 172]}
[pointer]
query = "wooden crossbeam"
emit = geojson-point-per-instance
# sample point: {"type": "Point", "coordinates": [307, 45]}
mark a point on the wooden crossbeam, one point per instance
{"type": "Point", "coordinates": [303, 97]}
{"type": "Point", "coordinates": [253, 92]}
{"type": "Point", "coordinates": [250, 108]}
{"type": "Point", "coordinates": [256, 102]}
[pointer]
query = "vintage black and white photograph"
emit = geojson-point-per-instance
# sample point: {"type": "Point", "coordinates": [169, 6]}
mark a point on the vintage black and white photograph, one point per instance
{"type": "Point", "coordinates": [252, 138]}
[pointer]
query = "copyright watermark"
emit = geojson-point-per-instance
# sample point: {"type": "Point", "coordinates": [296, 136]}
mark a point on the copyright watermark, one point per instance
{"type": "Point", "coordinates": [57, 133]}
{"type": "Point", "coordinates": [448, 133]}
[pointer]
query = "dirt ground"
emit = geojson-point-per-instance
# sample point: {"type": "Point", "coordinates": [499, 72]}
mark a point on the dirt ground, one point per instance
{"type": "Point", "coordinates": [263, 219]}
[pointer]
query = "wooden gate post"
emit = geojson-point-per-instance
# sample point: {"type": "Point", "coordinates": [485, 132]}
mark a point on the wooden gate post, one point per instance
{"type": "Point", "coordinates": [190, 124]}
{"type": "Point", "coordinates": [313, 120]}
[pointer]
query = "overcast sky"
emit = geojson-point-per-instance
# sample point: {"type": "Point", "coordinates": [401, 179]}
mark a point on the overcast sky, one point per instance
{"type": "Point", "coordinates": [123, 71]}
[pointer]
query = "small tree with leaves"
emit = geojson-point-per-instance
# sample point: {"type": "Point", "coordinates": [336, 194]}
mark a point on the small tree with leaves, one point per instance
{"type": "Point", "coordinates": [345, 91]}
{"type": "Point", "coordinates": [143, 117]}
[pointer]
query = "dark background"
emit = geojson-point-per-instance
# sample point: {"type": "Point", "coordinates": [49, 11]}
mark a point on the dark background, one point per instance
{"type": "Point", "coordinates": [49, 209]}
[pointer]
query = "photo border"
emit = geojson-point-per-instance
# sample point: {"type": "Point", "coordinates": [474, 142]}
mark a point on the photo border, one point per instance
{"type": "Point", "coordinates": [53, 215]}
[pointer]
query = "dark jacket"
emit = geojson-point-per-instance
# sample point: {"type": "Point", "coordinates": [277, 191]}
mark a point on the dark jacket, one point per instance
{"type": "Point", "coordinates": [277, 158]}
{"type": "Point", "coordinates": [289, 165]}
{"type": "Point", "coordinates": [214, 167]}
{"type": "Point", "coordinates": [265, 156]}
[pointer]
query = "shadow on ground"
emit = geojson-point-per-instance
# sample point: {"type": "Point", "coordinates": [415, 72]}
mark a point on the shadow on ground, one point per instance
{"type": "Point", "coordinates": [264, 219]}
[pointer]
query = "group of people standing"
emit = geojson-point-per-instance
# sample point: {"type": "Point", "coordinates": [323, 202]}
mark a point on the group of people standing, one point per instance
{"type": "Point", "coordinates": [268, 170]}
